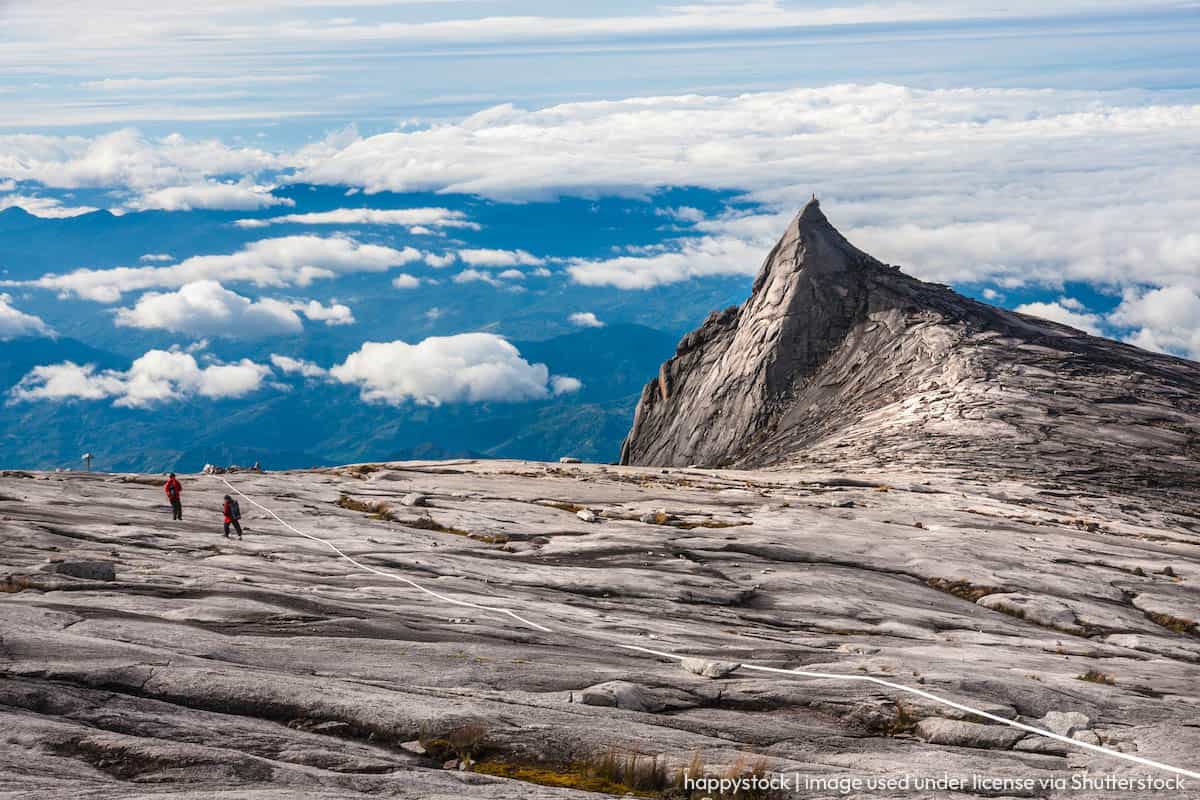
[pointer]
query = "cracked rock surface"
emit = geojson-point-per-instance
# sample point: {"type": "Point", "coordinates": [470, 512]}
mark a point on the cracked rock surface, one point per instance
{"type": "Point", "coordinates": [270, 668]}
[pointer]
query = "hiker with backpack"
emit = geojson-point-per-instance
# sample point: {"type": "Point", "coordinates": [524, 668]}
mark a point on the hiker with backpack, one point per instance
{"type": "Point", "coordinates": [173, 489]}
{"type": "Point", "coordinates": [233, 515]}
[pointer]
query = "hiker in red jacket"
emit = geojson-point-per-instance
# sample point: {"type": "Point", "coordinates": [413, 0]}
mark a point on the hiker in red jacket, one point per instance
{"type": "Point", "coordinates": [233, 515]}
{"type": "Point", "coordinates": [173, 489]}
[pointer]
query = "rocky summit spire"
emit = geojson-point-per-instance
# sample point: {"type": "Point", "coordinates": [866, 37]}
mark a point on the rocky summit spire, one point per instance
{"type": "Point", "coordinates": [837, 358]}
{"type": "Point", "coordinates": [720, 393]}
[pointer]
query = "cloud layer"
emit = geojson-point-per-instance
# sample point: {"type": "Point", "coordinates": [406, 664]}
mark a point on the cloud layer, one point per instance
{"type": "Point", "coordinates": [585, 319]}
{"type": "Point", "coordinates": [124, 159]}
{"type": "Point", "coordinates": [210, 195]}
{"type": "Point", "coordinates": [287, 261]}
{"type": "Point", "coordinates": [205, 308]}
{"type": "Point", "coordinates": [467, 368]}
{"type": "Point", "coordinates": [15, 323]}
{"type": "Point", "coordinates": [484, 257]}
{"type": "Point", "coordinates": [409, 217]}
{"type": "Point", "coordinates": [1166, 320]}
{"type": "Point", "coordinates": [158, 376]}
{"type": "Point", "coordinates": [964, 185]}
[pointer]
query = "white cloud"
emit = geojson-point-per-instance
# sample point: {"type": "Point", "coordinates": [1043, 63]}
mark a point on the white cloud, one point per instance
{"type": "Point", "coordinates": [124, 159]}
{"type": "Point", "coordinates": [333, 314]}
{"type": "Point", "coordinates": [406, 281]}
{"type": "Point", "coordinates": [414, 218]}
{"type": "Point", "coordinates": [45, 207]}
{"type": "Point", "coordinates": [175, 83]}
{"type": "Point", "coordinates": [683, 214]}
{"type": "Point", "coordinates": [484, 257]}
{"type": "Point", "coordinates": [694, 258]}
{"type": "Point", "coordinates": [1166, 320]}
{"type": "Point", "coordinates": [585, 319]}
{"type": "Point", "coordinates": [561, 384]}
{"type": "Point", "coordinates": [1065, 311]}
{"type": "Point", "coordinates": [14, 323]}
{"type": "Point", "coordinates": [467, 368]}
{"type": "Point", "coordinates": [205, 308]}
{"type": "Point", "coordinates": [288, 261]}
{"type": "Point", "coordinates": [297, 366]}
{"type": "Point", "coordinates": [210, 195]}
{"type": "Point", "coordinates": [159, 376]}
{"type": "Point", "coordinates": [478, 276]}
{"type": "Point", "coordinates": [157, 258]}
{"type": "Point", "coordinates": [439, 262]}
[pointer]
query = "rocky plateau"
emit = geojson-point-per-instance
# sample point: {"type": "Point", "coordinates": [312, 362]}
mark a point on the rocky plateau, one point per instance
{"type": "Point", "coordinates": [142, 657]}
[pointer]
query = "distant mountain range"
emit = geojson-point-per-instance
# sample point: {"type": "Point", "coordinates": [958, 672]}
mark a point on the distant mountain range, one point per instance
{"type": "Point", "coordinates": [323, 424]}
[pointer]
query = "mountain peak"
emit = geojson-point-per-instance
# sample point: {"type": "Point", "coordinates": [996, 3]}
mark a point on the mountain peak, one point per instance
{"type": "Point", "coordinates": [811, 213]}
{"type": "Point", "coordinates": [837, 357]}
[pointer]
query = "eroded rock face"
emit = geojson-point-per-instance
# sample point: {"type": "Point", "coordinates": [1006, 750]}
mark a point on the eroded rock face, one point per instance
{"type": "Point", "coordinates": [839, 359]}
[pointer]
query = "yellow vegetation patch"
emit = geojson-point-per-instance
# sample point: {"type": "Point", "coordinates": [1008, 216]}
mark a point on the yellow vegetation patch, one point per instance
{"type": "Point", "coordinates": [1093, 676]}
{"type": "Point", "coordinates": [962, 588]}
{"type": "Point", "coordinates": [1177, 624]}
{"type": "Point", "coordinates": [571, 777]}
{"type": "Point", "coordinates": [376, 510]}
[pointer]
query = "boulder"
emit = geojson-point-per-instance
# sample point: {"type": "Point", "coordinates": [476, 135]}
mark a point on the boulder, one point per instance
{"type": "Point", "coordinates": [1042, 746]}
{"type": "Point", "coordinates": [414, 499]}
{"type": "Point", "coordinates": [636, 697]}
{"type": "Point", "coordinates": [1064, 723]}
{"type": "Point", "coordinates": [569, 460]}
{"type": "Point", "coordinates": [587, 515]}
{"type": "Point", "coordinates": [957, 733]}
{"type": "Point", "coordinates": [709, 669]}
{"type": "Point", "coordinates": [1049, 612]}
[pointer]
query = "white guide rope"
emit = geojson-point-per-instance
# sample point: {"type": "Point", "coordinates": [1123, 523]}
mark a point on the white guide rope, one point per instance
{"type": "Point", "coordinates": [393, 576]}
{"type": "Point", "coordinates": [1146, 762]}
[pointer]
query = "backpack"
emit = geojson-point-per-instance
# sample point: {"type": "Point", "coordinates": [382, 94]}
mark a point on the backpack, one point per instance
{"type": "Point", "coordinates": [235, 510]}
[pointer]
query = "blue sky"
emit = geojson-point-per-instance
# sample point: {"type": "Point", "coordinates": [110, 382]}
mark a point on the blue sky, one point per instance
{"type": "Point", "coordinates": [1041, 155]}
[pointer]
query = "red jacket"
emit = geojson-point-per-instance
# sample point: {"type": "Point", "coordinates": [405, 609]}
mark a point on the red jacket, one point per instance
{"type": "Point", "coordinates": [227, 511]}
{"type": "Point", "coordinates": [173, 488]}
